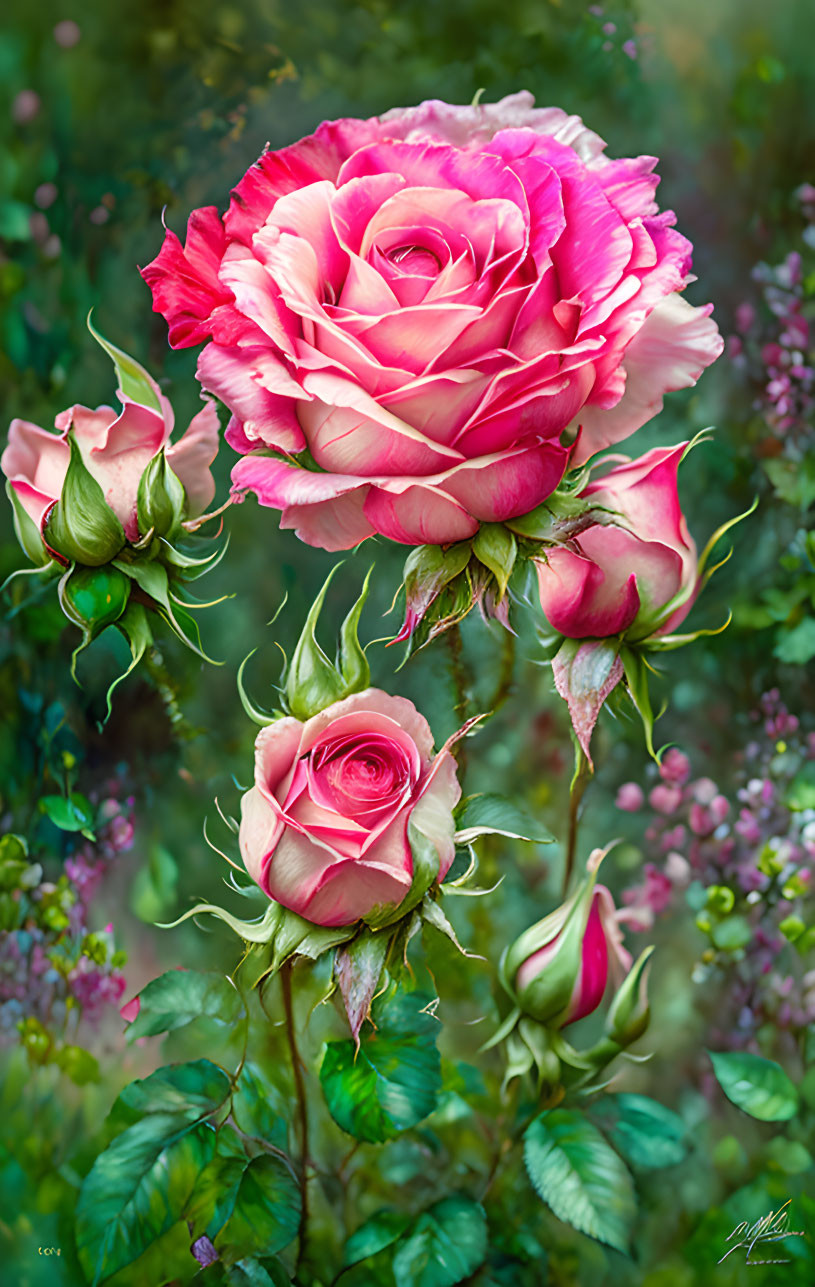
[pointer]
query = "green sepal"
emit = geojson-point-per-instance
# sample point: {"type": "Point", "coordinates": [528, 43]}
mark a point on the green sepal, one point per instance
{"type": "Point", "coordinates": [135, 627]}
{"type": "Point", "coordinates": [26, 530]}
{"type": "Point", "coordinates": [561, 517]}
{"type": "Point", "coordinates": [152, 577]}
{"type": "Point", "coordinates": [636, 675]}
{"type": "Point", "coordinates": [495, 546]}
{"type": "Point", "coordinates": [358, 970]}
{"type": "Point", "coordinates": [630, 1013]}
{"type": "Point", "coordinates": [312, 681]}
{"type": "Point", "coordinates": [284, 932]}
{"type": "Point", "coordinates": [161, 502]}
{"type": "Point", "coordinates": [134, 381]}
{"type": "Point", "coordinates": [185, 565]}
{"type": "Point", "coordinates": [255, 713]}
{"type": "Point", "coordinates": [81, 526]}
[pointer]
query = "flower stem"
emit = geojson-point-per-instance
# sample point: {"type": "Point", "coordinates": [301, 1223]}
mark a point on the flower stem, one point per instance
{"type": "Point", "coordinates": [506, 673]}
{"type": "Point", "coordinates": [302, 1105]}
{"type": "Point", "coordinates": [167, 689]}
{"type": "Point", "coordinates": [458, 674]}
{"type": "Point", "coordinates": [580, 780]}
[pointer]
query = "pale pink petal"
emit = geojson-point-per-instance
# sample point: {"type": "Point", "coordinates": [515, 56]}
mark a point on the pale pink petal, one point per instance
{"type": "Point", "coordinates": [254, 385]}
{"type": "Point", "coordinates": [580, 600]}
{"type": "Point", "coordinates": [418, 515]}
{"type": "Point", "coordinates": [337, 524]}
{"type": "Point", "coordinates": [350, 890]}
{"type": "Point", "coordinates": [276, 749]}
{"type": "Point", "coordinates": [433, 815]}
{"type": "Point", "coordinates": [35, 462]}
{"type": "Point", "coordinates": [509, 486]}
{"type": "Point", "coordinates": [670, 352]}
{"type": "Point", "coordinates": [190, 458]}
{"type": "Point", "coordinates": [260, 830]}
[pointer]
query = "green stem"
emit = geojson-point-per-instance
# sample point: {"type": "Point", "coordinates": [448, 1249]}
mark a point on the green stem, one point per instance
{"type": "Point", "coordinates": [302, 1105]}
{"type": "Point", "coordinates": [167, 689]}
{"type": "Point", "coordinates": [582, 773]}
{"type": "Point", "coordinates": [506, 673]}
{"type": "Point", "coordinates": [458, 674]}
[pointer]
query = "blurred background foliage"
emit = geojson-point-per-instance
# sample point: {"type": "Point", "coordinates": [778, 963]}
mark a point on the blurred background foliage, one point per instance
{"type": "Point", "coordinates": [112, 117]}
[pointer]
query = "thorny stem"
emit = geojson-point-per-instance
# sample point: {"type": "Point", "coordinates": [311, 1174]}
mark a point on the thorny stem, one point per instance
{"type": "Point", "coordinates": [459, 676]}
{"type": "Point", "coordinates": [580, 781]}
{"type": "Point", "coordinates": [506, 673]}
{"type": "Point", "coordinates": [302, 1106]}
{"type": "Point", "coordinates": [168, 692]}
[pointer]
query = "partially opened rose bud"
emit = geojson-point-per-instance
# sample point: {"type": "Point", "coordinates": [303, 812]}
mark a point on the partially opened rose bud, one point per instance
{"type": "Point", "coordinates": [558, 970]}
{"type": "Point", "coordinates": [637, 577]}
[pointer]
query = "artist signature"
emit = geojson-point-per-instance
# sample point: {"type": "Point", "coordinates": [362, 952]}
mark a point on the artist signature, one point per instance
{"type": "Point", "coordinates": [770, 1228]}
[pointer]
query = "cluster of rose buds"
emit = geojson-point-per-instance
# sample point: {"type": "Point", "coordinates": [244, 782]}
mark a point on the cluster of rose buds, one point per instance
{"type": "Point", "coordinates": [743, 858]}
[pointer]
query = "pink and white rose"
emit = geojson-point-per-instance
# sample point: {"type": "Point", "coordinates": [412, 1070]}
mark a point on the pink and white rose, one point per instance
{"type": "Point", "coordinates": [324, 829]}
{"type": "Point", "coordinates": [424, 302]}
{"type": "Point", "coordinates": [615, 580]}
{"type": "Point", "coordinates": [116, 448]}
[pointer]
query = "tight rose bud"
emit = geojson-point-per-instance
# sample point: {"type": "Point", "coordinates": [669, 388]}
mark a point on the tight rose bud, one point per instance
{"type": "Point", "coordinates": [558, 969]}
{"type": "Point", "coordinates": [637, 577]}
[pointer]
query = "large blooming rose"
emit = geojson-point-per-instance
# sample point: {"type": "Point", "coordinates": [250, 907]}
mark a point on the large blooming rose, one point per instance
{"type": "Point", "coordinates": [622, 579]}
{"type": "Point", "coordinates": [425, 302]}
{"type": "Point", "coordinates": [324, 830]}
{"type": "Point", "coordinates": [116, 448]}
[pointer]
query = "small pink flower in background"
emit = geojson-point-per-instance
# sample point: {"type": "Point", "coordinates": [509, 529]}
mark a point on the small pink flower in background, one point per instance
{"type": "Point", "coordinates": [665, 799]}
{"type": "Point", "coordinates": [621, 578]}
{"type": "Point", "coordinates": [116, 448]}
{"type": "Point", "coordinates": [674, 767]}
{"type": "Point", "coordinates": [324, 829]}
{"type": "Point", "coordinates": [425, 302]}
{"type": "Point", "coordinates": [630, 797]}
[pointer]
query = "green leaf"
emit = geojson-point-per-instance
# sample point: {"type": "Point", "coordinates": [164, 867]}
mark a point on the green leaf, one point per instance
{"type": "Point", "coordinates": [188, 1091]}
{"type": "Point", "coordinates": [153, 891]}
{"type": "Point", "coordinates": [134, 381]}
{"type": "Point", "coordinates": [381, 1230]}
{"type": "Point", "coordinates": [70, 813]}
{"type": "Point", "coordinates": [136, 1191]}
{"type": "Point", "coordinates": [758, 1086]}
{"type": "Point", "coordinates": [646, 1133]}
{"type": "Point", "coordinates": [393, 1081]}
{"type": "Point", "coordinates": [259, 1107]}
{"type": "Point", "coordinates": [178, 997]}
{"type": "Point", "coordinates": [245, 1273]}
{"type": "Point", "coordinates": [580, 1177]}
{"type": "Point", "coordinates": [445, 1245]}
{"type": "Point", "coordinates": [81, 526]}
{"type": "Point", "coordinates": [79, 1064]}
{"type": "Point", "coordinates": [797, 646]}
{"type": "Point", "coordinates": [490, 814]}
{"type": "Point", "coordinates": [496, 547]}
{"type": "Point", "coordinates": [266, 1214]}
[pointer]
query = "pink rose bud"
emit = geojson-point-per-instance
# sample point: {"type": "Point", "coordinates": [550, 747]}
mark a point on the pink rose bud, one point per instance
{"type": "Point", "coordinates": [324, 830]}
{"type": "Point", "coordinates": [637, 577]}
{"type": "Point", "coordinates": [424, 302]}
{"type": "Point", "coordinates": [558, 969]}
{"type": "Point", "coordinates": [630, 797]}
{"type": "Point", "coordinates": [94, 468]}
{"type": "Point", "coordinates": [674, 767]}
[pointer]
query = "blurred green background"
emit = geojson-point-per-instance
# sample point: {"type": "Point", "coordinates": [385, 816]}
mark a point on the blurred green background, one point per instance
{"type": "Point", "coordinates": [111, 115]}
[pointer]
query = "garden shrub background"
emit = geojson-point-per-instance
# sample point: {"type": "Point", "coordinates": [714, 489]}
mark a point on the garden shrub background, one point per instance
{"type": "Point", "coordinates": [162, 107]}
